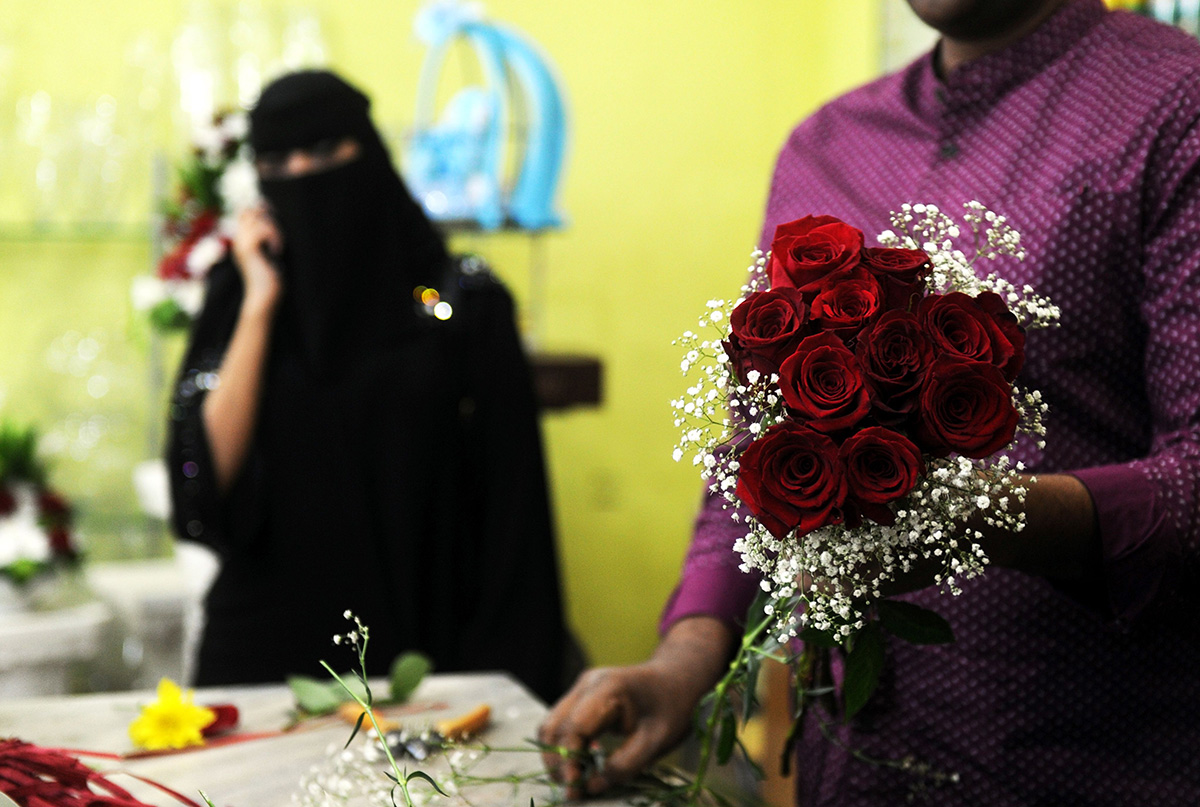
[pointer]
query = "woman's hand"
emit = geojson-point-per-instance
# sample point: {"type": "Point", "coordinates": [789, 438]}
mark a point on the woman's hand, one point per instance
{"type": "Point", "coordinates": [257, 237]}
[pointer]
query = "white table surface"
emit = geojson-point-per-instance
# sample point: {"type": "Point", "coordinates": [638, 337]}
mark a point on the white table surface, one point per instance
{"type": "Point", "coordinates": [267, 772]}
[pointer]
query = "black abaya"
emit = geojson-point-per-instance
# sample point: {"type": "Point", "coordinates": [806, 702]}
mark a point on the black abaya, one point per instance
{"type": "Point", "coordinates": [396, 466]}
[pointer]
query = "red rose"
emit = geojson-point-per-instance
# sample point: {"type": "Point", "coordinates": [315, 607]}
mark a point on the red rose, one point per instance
{"type": "Point", "coordinates": [173, 265]}
{"type": "Point", "coordinates": [824, 385]}
{"type": "Point", "coordinates": [847, 303]}
{"type": "Point", "coordinates": [60, 542]}
{"type": "Point", "coordinates": [979, 328]}
{"type": "Point", "coordinates": [966, 406]}
{"type": "Point", "coordinates": [52, 505]}
{"type": "Point", "coordinates": [790, 478]}
{"type": "Point", "coordinates": [807, 250]}
{"type": "Point", "coordinates": [881, 466]}
{"type": "Point", "coordinates": [901, 273]}
{"type": "Point", "coordinates": [894, 354]}
{"type": "Point", "coordinates": [765, 329]}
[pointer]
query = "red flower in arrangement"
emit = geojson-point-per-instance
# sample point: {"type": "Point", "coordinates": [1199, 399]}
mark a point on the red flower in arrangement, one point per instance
{"type": "Point", "coordinates": [823, 384]}
{"type": "Point", "coordinates": [894, 354]}
{"type": "Point", "coordinates": [53, 505]}
{"type": "Point", "coordinates": [174, 265]}
{"type": "Point", "coordinates": [60, 542]}
{"type": "Point", "coordinates": [873, 370]}
{"type": "Point", "coordinates": [901, 273]}
{"type": "Point", "coordinates": [806, 251]}
{"type": "Point", "coordinates": [765, 329]}
{"type": "Point", "coordinates": [881, 466]}
{"type": "Point", "coordinates": [979, 328]}
{"type": "Point", "coordinates": [846, 303]}
{"type": "Point", "coordinates": [966, 407]}
{"type": "Point", "coordinates": [791, 479]}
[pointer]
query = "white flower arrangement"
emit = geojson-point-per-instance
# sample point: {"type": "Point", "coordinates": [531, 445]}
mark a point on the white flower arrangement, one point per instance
{"type": "Point", "coordinates": [216, 183]}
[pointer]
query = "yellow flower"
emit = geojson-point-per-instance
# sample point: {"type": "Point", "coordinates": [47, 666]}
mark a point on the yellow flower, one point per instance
{"type": "Point", "coordinates": [171, 721]}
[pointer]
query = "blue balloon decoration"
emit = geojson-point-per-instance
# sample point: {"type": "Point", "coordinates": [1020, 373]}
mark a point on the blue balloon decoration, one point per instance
{"type": "Point", "coordinates": [454, 166]}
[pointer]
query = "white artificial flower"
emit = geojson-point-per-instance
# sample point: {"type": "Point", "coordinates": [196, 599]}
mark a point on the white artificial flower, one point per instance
{"type": "Point", "coordinates": [211, 144]}
{"type": "Point", "coordinates": [147, 291]}
{"type": "Point", "coordinates": [204, 254]}
{"type": "Point", "coordinates": [20, 536]}
{"type": "Point", "coordinates": [188, 295]}
{"type": "Point", "coordinates": [235, 126]}
{"type": "Point", "coordinates": [238, 186]}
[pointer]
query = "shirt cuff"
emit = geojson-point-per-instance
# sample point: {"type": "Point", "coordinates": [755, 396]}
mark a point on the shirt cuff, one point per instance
{"type": "Point", "coordinates": [723, 592]}
{"type": "Point", "coordinates": [1134, 543]}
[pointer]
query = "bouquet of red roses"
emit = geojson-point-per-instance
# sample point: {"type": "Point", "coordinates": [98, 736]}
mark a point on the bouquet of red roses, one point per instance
{"type": "Point", "coordinates": [854, 405]}
{"type": "Point", "coordinates": [852, 410]}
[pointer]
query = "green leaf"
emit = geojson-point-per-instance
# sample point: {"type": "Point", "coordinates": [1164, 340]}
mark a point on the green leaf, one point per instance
{"type": "Point", "coordinates": [18, 454]}
{"type": "Point", "coordinates": [313, 696]}
{"type": "Point", "coordinates": [749, 699]}
{"type": "Point", "coordinates": [407, 672]}
{"type": "Point", "coordinates": [728, 737]}
{"type": "Point", "coordinates": [364, 685]}
{"type": "Point", "coordinates": [818, 638]}
{"type": "Point", "coordinates": [864, 663]}
{"type": "Point", "coordinates": [427, 778]}
{"type": "Point", "coordinates": [757, 614]}
{"type": "Point", "coordinates": [168, 316]}
{"type": "Point", "coordinates": [352, 688]}
{"type": "Point", "coordinates": [914, 624]}
{"type": "Point", "coordinates": [748, 759]}
{"type": "Point", "coordinates": [358, 725]}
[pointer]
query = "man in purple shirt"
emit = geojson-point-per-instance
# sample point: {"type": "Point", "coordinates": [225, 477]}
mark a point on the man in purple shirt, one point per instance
{"type": "Point", "coordinates": [1075, 675]}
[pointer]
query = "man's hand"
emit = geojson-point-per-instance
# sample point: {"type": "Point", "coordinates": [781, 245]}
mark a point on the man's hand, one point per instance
{"type": "Point", "coordinates": [651, 704]}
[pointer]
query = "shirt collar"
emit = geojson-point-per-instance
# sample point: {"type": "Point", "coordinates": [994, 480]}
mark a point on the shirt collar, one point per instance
{"type": "Point", "coordinates": [990, 76]}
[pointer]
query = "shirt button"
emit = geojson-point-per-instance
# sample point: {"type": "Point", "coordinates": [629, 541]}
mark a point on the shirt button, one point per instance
{"type": "Point", "coordinates": [940, 94]}
{"type": "Point", "coordinates": [949, 150]}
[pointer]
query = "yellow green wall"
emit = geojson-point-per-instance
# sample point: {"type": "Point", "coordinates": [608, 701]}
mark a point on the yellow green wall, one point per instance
{"type": "Point", "coordinates": [677, 108]}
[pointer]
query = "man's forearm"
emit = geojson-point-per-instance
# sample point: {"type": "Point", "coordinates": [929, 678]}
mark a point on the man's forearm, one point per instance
{"type": "Point", "coordinates": [1061, 538]}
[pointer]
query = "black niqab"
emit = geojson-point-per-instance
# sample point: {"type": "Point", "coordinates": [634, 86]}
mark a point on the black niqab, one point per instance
{"type": "Point", "coordinates": [355, 243]}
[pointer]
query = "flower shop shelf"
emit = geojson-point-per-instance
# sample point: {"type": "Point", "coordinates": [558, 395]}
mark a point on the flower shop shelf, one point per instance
{"type": "Point", "coordinates": [37, 648]}
{"type": "Point", "coordinates": [96, 232]}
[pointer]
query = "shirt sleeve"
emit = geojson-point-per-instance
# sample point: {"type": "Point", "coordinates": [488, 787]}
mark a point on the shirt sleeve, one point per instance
{"type": "Point", "coordinates": [712, 582]}
{"type": "Point", "coordinates": [199, 512]}
{"type": "Point", "coordinates": [1148, 510]}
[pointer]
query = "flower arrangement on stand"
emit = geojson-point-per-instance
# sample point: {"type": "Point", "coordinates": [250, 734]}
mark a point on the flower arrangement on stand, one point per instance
{"type": "Point", "coordinates": [853, 410]}
{"type": "Point", "coordinates": [35, 520]}
{"type": "Point", "coordinates": [213, 183]}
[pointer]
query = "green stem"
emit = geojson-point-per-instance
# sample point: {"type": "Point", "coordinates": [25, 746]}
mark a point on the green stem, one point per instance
{"type": "Point", "coordinates": [401, 779]}
{"type": "Point", "coordinates": [720, 696]}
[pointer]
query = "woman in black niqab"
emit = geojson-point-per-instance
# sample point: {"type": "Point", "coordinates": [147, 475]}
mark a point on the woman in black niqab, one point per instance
{"type": "Point", "coordinates": [394, 464]}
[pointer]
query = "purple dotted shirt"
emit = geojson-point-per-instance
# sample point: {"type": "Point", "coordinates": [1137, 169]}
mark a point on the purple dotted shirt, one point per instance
{"type": "Point", "coordinates": [1086, 135]}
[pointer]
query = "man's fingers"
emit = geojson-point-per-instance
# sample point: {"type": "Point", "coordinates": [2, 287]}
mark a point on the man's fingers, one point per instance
{"type": "Point", "coordinates": [627, 760]}
{"type": "Point", "coordinates": [586, 712]}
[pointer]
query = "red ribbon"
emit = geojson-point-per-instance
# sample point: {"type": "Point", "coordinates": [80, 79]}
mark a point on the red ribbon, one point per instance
{"type": "Point", "coordinates": [48, 777]}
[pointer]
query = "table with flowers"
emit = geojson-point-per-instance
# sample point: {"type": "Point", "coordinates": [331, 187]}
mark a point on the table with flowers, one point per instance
{"type": "Point", "coordinates": [260, 764]}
